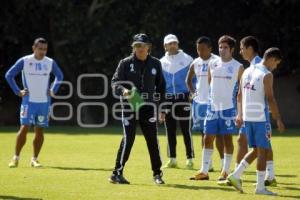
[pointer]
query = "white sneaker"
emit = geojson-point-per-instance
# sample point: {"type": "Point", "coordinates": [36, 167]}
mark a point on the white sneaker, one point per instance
{"type": "Point", "coordinates": [265, 192]}
{"type": "Point", "coordinates": [35, 163]}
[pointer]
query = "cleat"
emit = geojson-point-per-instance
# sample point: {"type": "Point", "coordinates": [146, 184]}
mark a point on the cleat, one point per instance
{"type": "Point", "coordinates": [13, 163]}
{"type": "Point", "coordinates": [265, 192]}
{"type": "Point", "coordinates": [236, 183]}
{"type": "Point", "coordinates": [224, 183]}
{"type": "Point", "coordinates": [223, 176]}
{"type": "Point", "coordinates": [158, 180]}
{"type": "Point", "coordinates": [118, 179]}
{"type": "Point", "coordinates": [272, 183]}
{"type": "Point", "coordinates": [35, 164]}
{"type": "Point", "coordinates": [200, 176]}
{"type": "Point", "coordinates": [189, 164]}
{"type": "Point", "coordinates": [170, 164]}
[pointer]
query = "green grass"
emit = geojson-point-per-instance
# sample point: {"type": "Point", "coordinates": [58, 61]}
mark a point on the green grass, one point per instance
{"type": "Point", "coordinates": [77, 163]}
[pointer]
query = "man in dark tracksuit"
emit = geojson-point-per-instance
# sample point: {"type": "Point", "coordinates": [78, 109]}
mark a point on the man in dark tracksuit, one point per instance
{"type": "Point", "coordinates": [145, 73]}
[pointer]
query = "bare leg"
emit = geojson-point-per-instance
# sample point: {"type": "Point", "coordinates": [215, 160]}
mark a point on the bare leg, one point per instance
{"type": "Point", "coordinates": [242, 147]}
{"type": "Point", "coordinates": [38, 141]}
{"type": "Point", "coordinates": [21, 139]}
{"type": "Point", "coordinates": [220, 145]}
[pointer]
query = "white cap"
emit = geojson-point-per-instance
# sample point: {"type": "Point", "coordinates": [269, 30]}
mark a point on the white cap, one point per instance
{"type": "Point", "coordinates": [170, 38]}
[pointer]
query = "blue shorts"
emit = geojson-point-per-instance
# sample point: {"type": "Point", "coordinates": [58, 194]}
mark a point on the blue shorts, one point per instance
{"type": "Point", "coordinates": [257, 134]}
{"type": "Point", "coordinates": [36, 114]}
{"type": "Point", "coordinates": [243, 130]}
{"type": "Point", "coordinates": [220, 122]}
{"type": "Point", "coordinates": [198, 114]}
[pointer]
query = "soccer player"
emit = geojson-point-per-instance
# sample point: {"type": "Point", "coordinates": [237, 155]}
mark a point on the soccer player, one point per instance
{"type": "Point", "coordinates": [254, 99]}
{"type": "Point", "coordinates": [223, 78]}
{"type": "Point", "coordinates": [36, 93]}
{"type": "Point", "coordinates": [249, 48]}
{"type": "Point", "coordinates": [175, 65]}
{"type": "Point", "coordinates": [199, 69]}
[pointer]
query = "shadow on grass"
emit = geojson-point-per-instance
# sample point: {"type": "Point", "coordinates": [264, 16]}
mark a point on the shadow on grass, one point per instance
{"type": "Point", "coordinates": [193, 187]}
{"type": "Point", "coordinates": [290, 196]}
{"type": "Point", "coordinates": [78, 168]}
{"type": "Point", "coordinates": [16, 198]}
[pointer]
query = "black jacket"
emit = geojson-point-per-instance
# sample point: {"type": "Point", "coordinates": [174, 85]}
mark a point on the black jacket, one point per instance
{"type": "Point", "coordinates": [146, 76]}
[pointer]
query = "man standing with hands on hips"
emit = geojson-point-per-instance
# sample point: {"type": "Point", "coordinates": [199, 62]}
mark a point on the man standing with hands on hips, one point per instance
{"type": "Point", "coordinates": [144, 73]}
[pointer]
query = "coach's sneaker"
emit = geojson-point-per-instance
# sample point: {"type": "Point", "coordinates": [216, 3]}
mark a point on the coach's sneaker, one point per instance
{"type": "Point", "coordinates": [265, 192]}
{"type": "Point", "coordinates": [158, 179]}
{"type": "Point", "coordinates": [236, 183]}
{"type": "Point", "coordinates": [118, 179]}
{"type": "Point", "coordinates": [189, 164]}
{"type": "Point", "coordinates": [272, 183]}
{"type": "Point", "coordinates": [170, 164]}
{"type": "Point", "coordinates": [13, 163]}
{"type": "Point", "coordinates": [200, 176]}
{"type": "Point", "coordinates": [35, 164]}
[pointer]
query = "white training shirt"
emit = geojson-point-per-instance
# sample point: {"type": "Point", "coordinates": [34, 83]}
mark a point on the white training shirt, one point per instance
{"type": "Point", "coordinates": [201, 72]}
{"type": "Point", "coordinates": [224, 84]}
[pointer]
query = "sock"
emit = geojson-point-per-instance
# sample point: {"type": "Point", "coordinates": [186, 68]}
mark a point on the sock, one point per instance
{"type": "Point", "coordinates": [260, 179]}
{"type": "Point", "coordinates": [16, 157]}
{"type": "Point", "coordinates": [206, 157]}
{"type": "Point", "coordinates": [34, 158]}
{"type": "Point", "coordinates": [240, 169]}
{"type": "Point", "coordinates": [270, 170]}
{"type": "Point", "coordinates": [222, 163]}
{"type": "Point", "coordinates": [227, 161]}
{"type": "Point", "coordinates": [236, 165]}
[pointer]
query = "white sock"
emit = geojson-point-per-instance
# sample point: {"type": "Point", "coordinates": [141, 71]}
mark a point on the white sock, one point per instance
{"type": "Point", "coordinates": [236, 165]}
{"type": "Point", "coordinates": [16, 157]}
{"type": "Point", "coordinates": [240, 169]}
{"type": "Point", "coordinates": [222, 163]}
{"type": "Point", "coordinates": [227, 161]}
{"type": "Point", "coordinates": [260, 179]}
{"type": "Point", "coordinates": [34, 158]}
{"type": "Point", "coordinates": [206, 157]}
{"type": "Point", "coordinates": [270, 170]}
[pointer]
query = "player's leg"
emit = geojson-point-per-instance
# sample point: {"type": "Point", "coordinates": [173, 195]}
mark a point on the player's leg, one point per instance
{"type": "Point", "coordinates": [37, 145]}
{"type": "Point", "coordinates": [20, 142]}
{"type": "Point", "coordinates": [270, 179]}
{"type": "Point", "coordinates": [170, 126]}
{"type": "Point", "coordinates": [129, 128]}
{"type": "Point", "coordinates": [228, 152]}
{"type": "Point", "coordinates": [220, 148]}
{"type": "Point", "coordinates": [242, 147]}
{"type": "Point", "coordinates": [148, 126]}
{"type": "Point", "coordinates": [183, 112]}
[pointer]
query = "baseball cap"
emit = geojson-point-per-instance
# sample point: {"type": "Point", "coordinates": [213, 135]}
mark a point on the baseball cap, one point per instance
{"type": "Point", "coordinates": [170, 38]}
{"type": "Point", "coordinates": [141, 38]}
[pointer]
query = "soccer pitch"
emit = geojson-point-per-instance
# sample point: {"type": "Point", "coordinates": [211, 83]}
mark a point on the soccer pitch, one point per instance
{"type": "Point", "coordinates": [77, 163]}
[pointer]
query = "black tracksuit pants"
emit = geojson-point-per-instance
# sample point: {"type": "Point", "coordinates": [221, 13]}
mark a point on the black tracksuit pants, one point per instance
{"type": "Point", "coordinates": [181, 108]}
{"type": "Point", "coordinates": [147, 119]}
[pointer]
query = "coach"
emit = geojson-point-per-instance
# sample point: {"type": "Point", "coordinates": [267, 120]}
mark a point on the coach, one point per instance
{"type": "Point", "coordinates": [144, 72]}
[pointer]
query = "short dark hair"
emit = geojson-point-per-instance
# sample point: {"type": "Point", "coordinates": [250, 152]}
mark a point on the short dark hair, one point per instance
{"type": "Point", "coordinates": [251, 41]}
{"type": "Point", "coordinates": [204, 40]}
{"type": "Point", "coordinates": [273, 52]}
{"type": "Point", "coordinates": [227, 39]}
{"type": "Point", "coordinates": [40, 40]}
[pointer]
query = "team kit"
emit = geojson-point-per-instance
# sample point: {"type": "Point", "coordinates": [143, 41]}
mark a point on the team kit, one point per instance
{"type": "Point", "coordinates": [212, 94]}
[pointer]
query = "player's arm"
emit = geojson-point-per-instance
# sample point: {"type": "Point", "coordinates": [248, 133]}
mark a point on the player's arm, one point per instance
{"type": "Point", "coordinates": [160, 84]}
{"type": "Point", "coordinates": [10, 78]}
{"type": "Point", "coordinates": [208, 75]}
{"type": "Point", "coordinates": [189, 79]}
{"type": "Point", "coordinates": [119, 75]}
{"type": "Point", "coordinates": [240, 73]}
{"type": "Point", "coordinates": [58, 78]}
{"type": "Point", "coordinates": [268, 86]}
{"type": "Point", "coordinates": [239, 118]}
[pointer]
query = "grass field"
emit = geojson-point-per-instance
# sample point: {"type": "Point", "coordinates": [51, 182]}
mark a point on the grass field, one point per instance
{"type": "Point", "coordinates": [77, 163]}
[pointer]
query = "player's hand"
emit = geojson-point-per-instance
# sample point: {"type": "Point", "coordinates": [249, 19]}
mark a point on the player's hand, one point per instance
{"type": "Point", "coordinates": [191, 96]}
{"type": "Point", "coordinates": [239, 121]}
{"type": "Point", "coordinates": [50, 93]}
{"type": "Point", "coordinates": [280, 125]}
{"type": "Point", "coordinates": [126, 92]}
{"type": "Point", "coordinates": [162, 117]}
{"type": "Point", "coordinates": [23, 92]}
